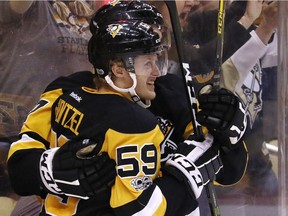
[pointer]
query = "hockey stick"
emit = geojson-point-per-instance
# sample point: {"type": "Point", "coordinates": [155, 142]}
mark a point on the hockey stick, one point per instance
{"type": "Point", "coordinates": [187, 76]}
{"type": "Point", "coordinates": [214, 83]}
{"type": "Point", "coordinates": [220, 41]}
{"type": "Point", "coordinates": [184, 67]}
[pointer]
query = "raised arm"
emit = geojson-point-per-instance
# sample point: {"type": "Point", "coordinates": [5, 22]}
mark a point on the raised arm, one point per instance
{"type": "Point", "coordinates": [246, 57]}
{"type": "Point", "coordinates": [269, 22]}
{"type": "Point", "coordinates": [252, 12]}
{"type": "Point", "coordinates": [239, 18]}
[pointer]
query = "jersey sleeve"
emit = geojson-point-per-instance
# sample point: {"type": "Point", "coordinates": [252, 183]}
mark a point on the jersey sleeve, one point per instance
{"type": "Point", "coordinates": [170, 93]}
{"type": "Point", "coordinates": [36, 135]}
{"type": "Point", "coordinates": [235, 164]}
{"type": "Point", "coordinates": [244, 61]}
{"type": "Point", "coordinates": [24, 154]}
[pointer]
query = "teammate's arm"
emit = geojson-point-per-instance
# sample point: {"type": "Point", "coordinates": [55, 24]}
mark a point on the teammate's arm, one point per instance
{"type": "Point", "coordinates": [36, 140]}
{"type": "Point", "coordinates": [24, 154]}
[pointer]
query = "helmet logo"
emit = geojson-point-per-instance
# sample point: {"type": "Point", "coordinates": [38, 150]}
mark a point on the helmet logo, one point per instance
{"type": "Point", "coordinates": [114, 29]}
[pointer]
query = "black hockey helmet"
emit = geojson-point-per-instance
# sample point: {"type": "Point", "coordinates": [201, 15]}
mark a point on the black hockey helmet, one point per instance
{"type": "Point", "coordinates": [126, 10]}
{"type": "Point", "coordinates": [124, 30]}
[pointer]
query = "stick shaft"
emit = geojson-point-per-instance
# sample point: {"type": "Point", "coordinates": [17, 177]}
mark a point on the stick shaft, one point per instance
{"type": "Point", "coordinates": [220, 44]}
{"type": "Point", "coordinates": [187, 76]}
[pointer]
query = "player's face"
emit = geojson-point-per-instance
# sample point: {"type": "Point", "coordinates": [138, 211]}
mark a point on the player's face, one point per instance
{"type": "Point", "coordinates": [146, 71]}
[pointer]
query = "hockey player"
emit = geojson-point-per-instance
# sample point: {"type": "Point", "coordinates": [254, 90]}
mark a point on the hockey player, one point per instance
{"type": "Point", "coordinates": [101, 116]}
{"type": "Point", "coordinates": [58, 31]}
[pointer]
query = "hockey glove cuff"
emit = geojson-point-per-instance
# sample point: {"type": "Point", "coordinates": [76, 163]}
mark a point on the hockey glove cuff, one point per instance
{"type": "Point", "coordinates": [190, 171]}
{"type": "Point", "coordinates": [183, 160]}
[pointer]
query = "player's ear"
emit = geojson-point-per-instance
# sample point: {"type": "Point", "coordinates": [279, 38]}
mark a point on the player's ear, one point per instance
{"type": "Point", "coordinates": [117, 70]}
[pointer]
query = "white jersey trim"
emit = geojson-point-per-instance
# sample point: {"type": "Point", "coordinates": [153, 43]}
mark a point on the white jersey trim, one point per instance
{"type": "Point", "coordinates": [153, 204]}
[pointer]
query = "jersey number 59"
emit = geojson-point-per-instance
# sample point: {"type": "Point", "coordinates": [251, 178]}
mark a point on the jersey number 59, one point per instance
{"type": "Point", "coordinates": [132, 159]}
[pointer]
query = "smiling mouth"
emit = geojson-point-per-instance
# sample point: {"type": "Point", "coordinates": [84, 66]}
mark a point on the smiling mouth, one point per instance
{"type": "Point", "coordinates": [150, 85]}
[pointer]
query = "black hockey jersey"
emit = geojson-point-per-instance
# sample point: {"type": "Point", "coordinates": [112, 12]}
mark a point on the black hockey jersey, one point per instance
{"type": "Point", "coordinates": [129, 133]}
{"type": "Point", "coordinates": [79, 111]}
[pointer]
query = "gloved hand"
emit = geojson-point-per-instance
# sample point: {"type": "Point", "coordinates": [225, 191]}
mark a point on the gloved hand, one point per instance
{"type": "Point", "coordinates": [76, 170]}
{"type": "Point", "coordinates": [210, 164]}
{"type": "Point", "coordinates": [223, 114]}
{"type": "Point", "coordinates": [184, 161]}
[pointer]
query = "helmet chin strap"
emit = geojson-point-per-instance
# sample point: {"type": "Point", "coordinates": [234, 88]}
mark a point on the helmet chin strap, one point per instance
{"type": "Point", "coordinates": [130, 90]}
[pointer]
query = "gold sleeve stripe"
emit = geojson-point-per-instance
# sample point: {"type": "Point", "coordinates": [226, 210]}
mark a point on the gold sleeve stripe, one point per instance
{"type": "Point", "coordinates": [25, 143]}
{"type": "Point", "coordinates": [156, 206]}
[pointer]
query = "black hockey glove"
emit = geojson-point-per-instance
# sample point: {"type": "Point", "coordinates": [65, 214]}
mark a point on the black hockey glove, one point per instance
{"type": "Point", "coordinates": [223, 114]}
{"type": "Point", "coordinates": [210, 164]}
{"type": "Point", "coordinates": [76, 170]}
{"type": "Point", "coordinates": [184, 160]}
